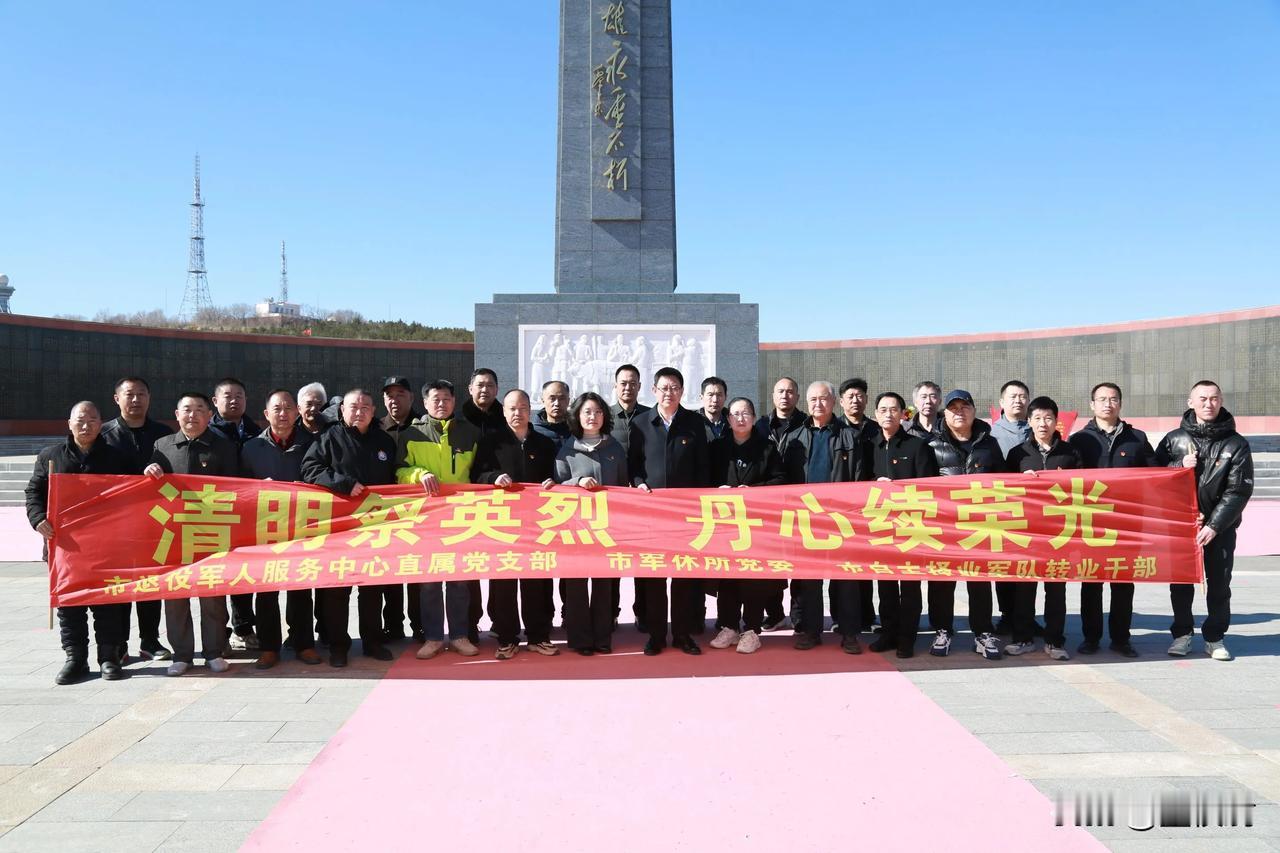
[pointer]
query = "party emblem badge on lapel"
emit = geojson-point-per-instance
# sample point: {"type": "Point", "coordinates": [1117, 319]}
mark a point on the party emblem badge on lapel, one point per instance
{"type": "Point", "coordinates": [382, 456]}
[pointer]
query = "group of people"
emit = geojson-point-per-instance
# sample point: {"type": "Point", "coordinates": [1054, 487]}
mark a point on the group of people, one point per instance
{"type": "Point", "coordinates": [589, 443]}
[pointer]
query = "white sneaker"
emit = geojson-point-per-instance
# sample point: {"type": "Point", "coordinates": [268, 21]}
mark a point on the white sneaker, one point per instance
{"type": "Point", "coordinates": [941, 644]}
{"type": "Point", "coordinates": [987, 645]}
{"type": "Point", "coordinates": [219, 665]}
{"type": "Point", "coordinates": [749, 642]}
{"type": "Point", "coordinates": [1217, 651]}
{"type": "Point", "coordinates": [1015, 649]}
{"type": "Point", "coordinates": [178, 667]}
{"type": "Point", "coordinates": [1180, 646]}
{"type": "Point", "coordinates": [1056, 652]}
{"type": "Point", "coordinates": [726, 638]}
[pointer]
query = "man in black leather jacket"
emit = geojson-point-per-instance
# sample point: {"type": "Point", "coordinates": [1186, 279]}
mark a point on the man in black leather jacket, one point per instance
{"type": "Point", "coordinates": [962, 444]}
{"type": "Point", "coordinates": [1208, 442]}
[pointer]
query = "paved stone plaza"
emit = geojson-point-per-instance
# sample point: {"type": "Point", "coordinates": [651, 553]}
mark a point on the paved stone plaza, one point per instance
{"type": "Point", "coordinates": [196, 763]}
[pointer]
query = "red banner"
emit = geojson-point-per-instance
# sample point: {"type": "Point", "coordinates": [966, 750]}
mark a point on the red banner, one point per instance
{"type": "Point", "coordinates": [134, 538]}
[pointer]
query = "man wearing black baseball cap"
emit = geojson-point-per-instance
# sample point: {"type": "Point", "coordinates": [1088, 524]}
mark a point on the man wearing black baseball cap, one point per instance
{"type": "Point", "coordinates": [397, 397]}
{"type": "Point", "coordinates": [963, 444]}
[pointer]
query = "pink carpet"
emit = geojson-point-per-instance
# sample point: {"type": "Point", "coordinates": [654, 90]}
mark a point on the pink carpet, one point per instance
{"type": "Point", "coordinates": [18, 542]}
{"type": "Point", "coordinates": [633, 753]}
{"type": "Point", "coordinates": [1259, 532]}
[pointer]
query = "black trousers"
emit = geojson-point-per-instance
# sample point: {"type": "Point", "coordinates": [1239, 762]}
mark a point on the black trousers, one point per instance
{"type": "Point", "coordinates": [773, 609]}
{"type": "Point", "coordinates": [1219, 558]}
{"type": "Point", "coordinates": [846, 598]}
{"type": "Point", "coordinates": [900, 606]}
{"type": "Point", "coordinates": [741, 604]}
{"type": "Point", "coordinates": [242, 621]}
{"type": "Point", "coordinates": [475, 608]}
{"type": "Point", "coordinates": [73, 630]}
{"type": "Point", "coordinates": [1120, 618]}
{"type": "Point", "coordinates": [505, 611]}
{"type": "Point", "coordinates": [942, 606]}
{"type": "Point", "coordinates": [654, 593]}
{"type": "Point", "coordinates": [148, 621]}
{"type": "Point", "coordinates": [335, 602]}
{"type": "Point", "coordinates": [395, 606]}
{"type": "Point", "coordinates": [1055, 612]}
{"type": "Point", "coordinates": [297, 613]}
{"type": "Point", "coordinates": [588, 614]}
{"type": "Point", "coordinates": [1005, 598]}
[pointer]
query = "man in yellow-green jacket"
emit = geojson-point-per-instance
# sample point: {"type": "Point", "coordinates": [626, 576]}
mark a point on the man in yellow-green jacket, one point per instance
{"type": "Point", "coordinates": [439, 448]}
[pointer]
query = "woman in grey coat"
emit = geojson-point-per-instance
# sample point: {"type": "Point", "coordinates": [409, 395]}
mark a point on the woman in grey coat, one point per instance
{"type": "Point", "coordinates": [590, 460]}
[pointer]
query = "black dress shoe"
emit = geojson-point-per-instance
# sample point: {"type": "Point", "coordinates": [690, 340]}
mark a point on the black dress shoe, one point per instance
{"type": "Point", "coordinates": [883, 644]}
{"type": "Point", "coordinates": [906, 651]}
{"type": "Point", "coordinates": [72, 672]}
{"type": "Point", "coordinates": [337, 659]}
{"type": "Point", "coordinates": [653, 647]}
{"type": "Point", "coordinates": [112, 671]}
{"type": "Point", "coordinates": [851, 646]}
{"type": "Point", "coordinates": [586, 653]}
{"type": "Point", "coordinates": [804, 642]}
{"type": "Point", "coordinates": [1124, 650]}
{"type": "Point", "coordinates": [1088, 647]}
{"type": "Point", "coordinates": [378, 653]}
{"type": "Point", "coordinates": [604, 648]}
{"type": "Point", "coordinates": [688, 645]}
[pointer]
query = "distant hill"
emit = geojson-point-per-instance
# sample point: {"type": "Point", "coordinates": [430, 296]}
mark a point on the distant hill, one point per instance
{"type": "Point", "coordinates": [336, 324]}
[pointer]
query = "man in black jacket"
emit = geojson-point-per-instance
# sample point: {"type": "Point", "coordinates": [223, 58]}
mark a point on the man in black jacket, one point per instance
{"type": "Point", "coordinates": [83, 452]}
{"type": "Point", "coordinates": [927, 398]}
{"type": "Point", "coordinates": [780, 428]}
{"type": "Point", "coordinates": [827, 450]}
{"type": "Point", "coordinates": [669, 451]}
{"type": "Point", "coordinates": [626, 390]}
{"type": "Point", "coordinates": [277, 454]}
{"type": "Point", "coordinates": [506, 459]}
{"type": "Point", "coordinates": [962, 444]}
{"type": "Point", "coordinates": [233, 423]}
{"type": "Point", "coordinates": [134, 434]}
{"type": "Point", "coordinates": [853, 411]}
{"type": "Point", "coordinates": [481, 407]}
{"type": "Point", "coordinates": [195, 449]}
{"type": "Point", "coordinates": [895, 455]}
{"type": "Point", "coordinates": [1108, 442]}
{"type": "Point", "coordinates": [398, 400]}
{"type": "Point", "coordinates": [347, 460]}
{"type": "Point", "coordinates": [1208, 442]}
{"type": "Point", "coordinates": [1044, 451]}
{"type": "Point", "coordinates": [553, 419]}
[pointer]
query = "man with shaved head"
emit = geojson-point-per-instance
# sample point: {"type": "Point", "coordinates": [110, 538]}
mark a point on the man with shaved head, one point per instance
{"type": "Point", "coordinates": [83, 452]}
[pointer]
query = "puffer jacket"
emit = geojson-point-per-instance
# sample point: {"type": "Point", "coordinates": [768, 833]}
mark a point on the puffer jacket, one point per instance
{"type": "Point", "coordinates": [444, 448]}
{"type": "Point", "coordinates": [1224, 466]}
{"type": "Point", "coordinates": [983, 456]}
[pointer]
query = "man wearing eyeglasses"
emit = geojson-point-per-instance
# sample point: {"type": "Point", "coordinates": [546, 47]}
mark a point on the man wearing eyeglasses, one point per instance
{"type": "Point", "coordinates": [1108, 442]}
{"type": "Point", "coordinates": [669, 451]}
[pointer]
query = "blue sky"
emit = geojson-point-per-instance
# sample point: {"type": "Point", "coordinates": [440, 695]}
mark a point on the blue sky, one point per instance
{"type": "Point", "coordinates": [859, 169]}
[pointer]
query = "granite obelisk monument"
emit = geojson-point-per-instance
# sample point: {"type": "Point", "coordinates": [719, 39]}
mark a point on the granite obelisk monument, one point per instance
{"type": "Point", "coordinates": [615, 297]}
